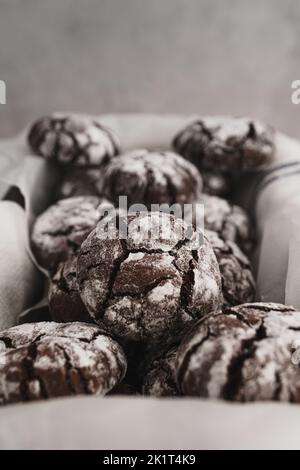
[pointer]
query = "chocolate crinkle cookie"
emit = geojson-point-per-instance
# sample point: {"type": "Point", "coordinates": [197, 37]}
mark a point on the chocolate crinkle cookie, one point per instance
{"type": "Point", "coordinates": [230, 221]}
{"type": "Point", "coordinates": [151, 178]}
{"type": "Point", "coordinates": [245, 354]}
{"type": "Point", "coordinates": [46, 360]}
{"type": "Point", "coordinates": [80, 182]}
{"type": "Point", "coordinates": [226, 144]}
{"type": "Point", "coordinates": [59, 231]}
{"type": "Point", "coordinates": [238, 285]}
{"type": "Point", "coordinates": [150, 284]}
{"type": "Point", "coordinates": [159, 377]}
{"type": "Point", "coordinates": [65, 303]}
{"type": "Point", "coordinates": [72, 139]}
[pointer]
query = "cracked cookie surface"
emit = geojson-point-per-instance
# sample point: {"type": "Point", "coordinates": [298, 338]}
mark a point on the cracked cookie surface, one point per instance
{"type": "Point", "coordinates": [46, 360]}
{"type": "Point", "coordinates": [151, 178]}
{"type": "Point", "coordinates": [59, 231]}
{"type": "Point", "coordinates": [226, 144]}
{"type": "Point", "coordinates": [238, 285]}
{"type": "Point", "coordinates": [243, 354]}
{"type": "Point", "coordinates": [145, 288]}
{"type": "Point", "coordinates": [72, 139]}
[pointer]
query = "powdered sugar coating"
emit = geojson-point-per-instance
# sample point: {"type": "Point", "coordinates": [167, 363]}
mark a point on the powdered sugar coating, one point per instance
{"type": "Point", "coordinates": [146, 290]}
{"type": "Point", "coordinates": [238, 285]}
{"type": "Point", "coordinates": [243, 354]}
{"type": "Point", "coordinates": [151, 178]}
{"type": "Point", "coordinates": [59, 231]}
{"type": "Point", "coordinates": [226, 144]}
{"type": "Point", "coordinates": [72, 139]}
{"type": "Point", "coordinates": [46, 360]}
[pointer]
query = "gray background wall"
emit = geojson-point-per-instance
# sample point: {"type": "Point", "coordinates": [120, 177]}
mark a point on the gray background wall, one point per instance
{"type": "Point", "coordinates": [206, 56]}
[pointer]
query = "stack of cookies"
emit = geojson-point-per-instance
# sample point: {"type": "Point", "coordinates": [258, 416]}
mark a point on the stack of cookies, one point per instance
{"type": "Point", "coordinates": [143, 301]}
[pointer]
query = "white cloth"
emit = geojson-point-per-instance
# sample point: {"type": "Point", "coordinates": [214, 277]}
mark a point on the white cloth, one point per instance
{"type": "Point", "coordinates": [20, 281]}
{"type": "Point", "coordinates": [278, 223]}
{"type": "Point", "coordinates": [148, 423]}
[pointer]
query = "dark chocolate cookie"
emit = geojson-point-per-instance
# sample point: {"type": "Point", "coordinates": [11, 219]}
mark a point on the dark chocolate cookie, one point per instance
{"type": "Point", "coordinates": [238, 285]}
{"type": "Point", "coordinates": [64, 300]}
{"type": "Point", "coordinates": [229, 221]}
{"type": "Point", "coordinates": [45, 360]}
{"type": "Point", "coordinates": [148, 287]}
{"type": "Point", "coordinates": [80, 182]}
{"type": "Point", "coordinates": [151, 178]}
{"type": "Point", "coordinates": [244, 354]}
{"type": "Point", "coordinates": [226, 144]}
{"type": "Point", "coordinates": [72, 139]}
{"type": "Point", "coordinates": [159, 374]}
{"type": "Point", "coordinates": [59, 231]}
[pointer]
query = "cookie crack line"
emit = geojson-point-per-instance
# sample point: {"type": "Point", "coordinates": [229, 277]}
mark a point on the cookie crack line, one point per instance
{"type": "Point", "coordinates": [111, 281]}
{"type": "Point", "coordinates": [9, 343]}
{"type": "Point", "coordinates": [59, 233]}
{"type": "Point", "coordinates": [68, 369]}
{"type": "Point", "coordinates": [246, 351]}
{"type": "Point", "coordinates": [238, 315]}
{"type": "Point", "coordinates": [278, 388]}
{"type": "Point", "coordinates": [188, 283]}
{"type": "Point", "coordinates": [184, 365]}
{"type": "Point", "coordinates": [235, 368]}
{"type": "Point", "coordinates": [144, 291]}
{"type": "Point", "coordinates": [31, 372]}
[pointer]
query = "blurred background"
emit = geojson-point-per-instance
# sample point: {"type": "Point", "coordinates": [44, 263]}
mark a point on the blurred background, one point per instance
{"type": "Point", "coordinates": [205, 56]}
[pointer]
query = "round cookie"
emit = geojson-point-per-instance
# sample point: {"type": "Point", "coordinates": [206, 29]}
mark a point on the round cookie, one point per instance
{"type": "Point", "coordinates": [145, 288]}
{"type": "Point", "coordinates": [72, 139]}
{"type": "Point", "coordinates": [65, 303]}
{"type": "Point", "coordinates": [226, 144]}
{"type": "Point", "coordinates": [244, 354]}
{"type": "Point", "coordinates": [59, 231]}
{"type": "Point", "coordinates": [80, 182]}
{"type": "Point", "coordinates": [159, 374]}
{"type": "Point", "coordinates": [151, 178]}
{"type": "Point", "coordinates": [238, 285]}
{"type": "Point", "coordinates": [229, 221]}
{"type": "Point", "coordinates": [47, 360]}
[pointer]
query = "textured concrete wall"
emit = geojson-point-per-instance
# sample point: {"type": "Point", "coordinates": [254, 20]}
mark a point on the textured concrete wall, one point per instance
{"type": "Point", "coordinates": [206, 56]}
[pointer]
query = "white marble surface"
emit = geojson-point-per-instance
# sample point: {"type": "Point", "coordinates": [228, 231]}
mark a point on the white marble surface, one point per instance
{"type": "Point", "coordinates": [220, 56]}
